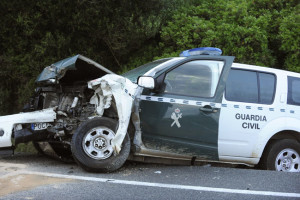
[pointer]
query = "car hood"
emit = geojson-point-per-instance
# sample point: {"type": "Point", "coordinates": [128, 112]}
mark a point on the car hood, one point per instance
{"type": "Point", "coordinates": [76, 66]}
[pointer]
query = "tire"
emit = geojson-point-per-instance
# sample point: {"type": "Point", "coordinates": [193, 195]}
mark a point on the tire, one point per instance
{"type": "Point", "coordinates": [282, 155]}
{"type": "Point", "coordinates": [91, 146]}
{"type": "Point", "coordinates": [63, 152]}
{"type": "Point", "coordinates": [60, 151]}
{"type": "Point", "coordinates": [38, 148]}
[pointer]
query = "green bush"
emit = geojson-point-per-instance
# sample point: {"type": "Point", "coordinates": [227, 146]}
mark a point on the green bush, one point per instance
{"type": "Point", "coordinates": [34, 34]}
{"type": "Point", "coordinates": [289, 30]}
{"type": "Point", "coordinates": [255, 32]}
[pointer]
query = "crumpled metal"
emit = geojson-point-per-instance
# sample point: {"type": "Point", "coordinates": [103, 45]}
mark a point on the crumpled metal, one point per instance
{"type": "Point", "coordinates": [123, 91]}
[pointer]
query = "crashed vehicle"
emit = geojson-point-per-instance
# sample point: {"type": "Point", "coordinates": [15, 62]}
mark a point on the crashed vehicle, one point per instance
{"type": "Point", "coordinates": [197, 107]}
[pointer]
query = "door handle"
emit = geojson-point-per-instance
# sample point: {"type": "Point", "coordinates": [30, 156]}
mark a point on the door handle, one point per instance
{"type": "Point", "coordinates": [207, 108]}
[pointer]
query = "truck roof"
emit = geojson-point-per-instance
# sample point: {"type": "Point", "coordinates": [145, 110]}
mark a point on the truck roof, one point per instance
{"type": "Point", "coordinates": [265, 69]}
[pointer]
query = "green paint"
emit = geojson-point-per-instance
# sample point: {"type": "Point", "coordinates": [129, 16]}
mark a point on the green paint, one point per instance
{"type": "Point", "coordinates": [198, 131]}
{"type": "Point", "coordinates": [57, 69]}
{"type": "Point", "coordinates": [197, 134]}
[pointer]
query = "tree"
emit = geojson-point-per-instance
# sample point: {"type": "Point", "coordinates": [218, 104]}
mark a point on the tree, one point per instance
{"type": "Point", "coordinates": [35, 34]}
{"type": "Point", "coordinates": [122, 34]}
{"type": "Point", "coordinates": [256, 32]}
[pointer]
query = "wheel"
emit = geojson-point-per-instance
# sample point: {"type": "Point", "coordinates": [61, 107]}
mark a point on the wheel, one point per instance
{"type": "Point", "coordinates": [282, 155]}
{"type": "Point", "coordinates": [37, 147]}
{"type": "Point", "coordinates": [54, 150]}
{"type": "Point", "coordinates": [92, 149]}
{"type": "Point", "coordinates": [63, 152]}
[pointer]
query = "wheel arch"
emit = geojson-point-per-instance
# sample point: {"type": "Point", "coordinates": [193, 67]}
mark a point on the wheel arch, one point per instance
{"type": "Point", "coordinates": [280, 128]}
{"type": "Point", "coordinates": [283, 134]}
{"type": "Point", "coordinates": [112, 113]}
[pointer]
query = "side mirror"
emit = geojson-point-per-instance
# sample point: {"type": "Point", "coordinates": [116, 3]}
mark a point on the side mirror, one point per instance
{"type": "Point", "coordinates": [146, 82]}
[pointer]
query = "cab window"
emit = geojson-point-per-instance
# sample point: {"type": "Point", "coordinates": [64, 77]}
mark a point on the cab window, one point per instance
{"type": "Point", "coordinates": [196, 78]}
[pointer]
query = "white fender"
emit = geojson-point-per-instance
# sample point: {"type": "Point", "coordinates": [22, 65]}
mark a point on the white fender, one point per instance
{"type": "Point", "coordinates": [272, 128]}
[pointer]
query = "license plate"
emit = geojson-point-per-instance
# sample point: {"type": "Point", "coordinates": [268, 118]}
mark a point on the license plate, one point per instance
{"type": "Point", "coordinates": [40, 126]}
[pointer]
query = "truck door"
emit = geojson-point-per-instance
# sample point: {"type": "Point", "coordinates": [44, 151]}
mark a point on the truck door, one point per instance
{"type": "Point", "coordinates": [183, 117]}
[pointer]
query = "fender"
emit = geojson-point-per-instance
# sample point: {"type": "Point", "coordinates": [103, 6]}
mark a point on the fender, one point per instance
{"type": "Point", "coordinates": [271, 129]}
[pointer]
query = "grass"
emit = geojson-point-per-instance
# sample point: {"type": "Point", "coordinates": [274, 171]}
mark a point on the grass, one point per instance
{"type": "Point", "coordinates": [27, 148]}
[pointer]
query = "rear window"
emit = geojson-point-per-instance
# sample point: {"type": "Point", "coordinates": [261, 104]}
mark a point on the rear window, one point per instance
{"type": "Point", "coordinates": [250, 86]}
{"type": "Point", "coordinates": [293, 91]}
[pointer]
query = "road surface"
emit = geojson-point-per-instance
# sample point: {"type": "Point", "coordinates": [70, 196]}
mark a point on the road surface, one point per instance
{"type": "Point", "coordinates": [32, 176]}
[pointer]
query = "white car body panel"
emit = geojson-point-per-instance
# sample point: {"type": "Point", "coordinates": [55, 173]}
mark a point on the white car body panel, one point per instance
{"type": "Point", "coordinates": [246, 144]}
{"type": "Point", "coordinates": [123, 91]}
{"type": "Point", "coordinates": [7, 123]}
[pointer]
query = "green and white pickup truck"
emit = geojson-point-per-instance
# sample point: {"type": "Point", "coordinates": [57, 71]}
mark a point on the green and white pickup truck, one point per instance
{"type": "Point", "coordinates": [197, 107]}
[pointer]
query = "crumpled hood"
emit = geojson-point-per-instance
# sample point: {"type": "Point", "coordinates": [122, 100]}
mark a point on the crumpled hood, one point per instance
{"type": "Point", "coordinates": [76, 65]}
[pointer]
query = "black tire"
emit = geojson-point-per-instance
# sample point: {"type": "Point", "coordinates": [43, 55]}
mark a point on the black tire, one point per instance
{"type": "Point", "coordinates": [38, 148]}
{"type": "Point", "coordinates": [288, 161]}
{"type": "Point", "coordinates": [84, 159]}
{"type": "Point", "coordinates": [61, 152]}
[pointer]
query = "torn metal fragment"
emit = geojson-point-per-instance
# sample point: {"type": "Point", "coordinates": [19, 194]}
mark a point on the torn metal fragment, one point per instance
{"type": "Point", "coordinates": [123, 91]}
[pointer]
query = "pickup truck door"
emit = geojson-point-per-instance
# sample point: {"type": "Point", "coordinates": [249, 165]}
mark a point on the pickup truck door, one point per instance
{"type": "Point", "coordinates": [183, 117]}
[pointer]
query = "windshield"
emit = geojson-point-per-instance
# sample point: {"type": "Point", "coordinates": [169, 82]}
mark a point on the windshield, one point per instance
{"type": "Point", "coordinates": [135, 73]}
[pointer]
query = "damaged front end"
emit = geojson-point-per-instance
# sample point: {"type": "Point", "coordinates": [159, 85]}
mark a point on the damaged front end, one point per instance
{"type": "Point", "coordinates": [81, 111]}
{"type": "Point", "coordinates": [60, 104]}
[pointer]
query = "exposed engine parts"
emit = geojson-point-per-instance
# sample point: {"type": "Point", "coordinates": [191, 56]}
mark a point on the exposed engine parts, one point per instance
{"type": "Point", "coordinates": [72, 106]}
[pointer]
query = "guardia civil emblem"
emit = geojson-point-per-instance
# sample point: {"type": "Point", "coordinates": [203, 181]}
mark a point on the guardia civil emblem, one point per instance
{"type": "Point", "coordinates": [176, 115]}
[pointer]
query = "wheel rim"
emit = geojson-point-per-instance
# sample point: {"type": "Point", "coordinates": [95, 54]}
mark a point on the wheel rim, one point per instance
{"type": "Point", "coordinates": [97, 143]}
{"type": "Point", "coordinates": [288, 160]}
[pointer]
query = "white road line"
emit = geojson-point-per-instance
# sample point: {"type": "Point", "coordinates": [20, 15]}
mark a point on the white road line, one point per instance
{"type": "Point", "coordinates": [164, 185]}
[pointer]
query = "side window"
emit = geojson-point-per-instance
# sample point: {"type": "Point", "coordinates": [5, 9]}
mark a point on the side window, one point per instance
{"type": "Point", "coordinates": [196, 78]}
{"type": "Point", "coordinates": [242, 86]}
{"type": "Point", "coordinates": [293, 91]}
{"type": "Point", "coordinates": [250, 87]}
{"type": "Point", "coordinates": [267, 88]}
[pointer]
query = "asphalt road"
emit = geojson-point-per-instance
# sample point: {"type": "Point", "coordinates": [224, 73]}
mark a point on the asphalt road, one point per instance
{"type": "Point", "coordinates": [30, 176]}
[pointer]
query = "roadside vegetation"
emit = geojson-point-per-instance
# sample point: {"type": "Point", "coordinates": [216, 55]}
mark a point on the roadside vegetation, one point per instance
{"type": "Point", "coordinates": [124, 34]}
{"type": "Point", "coordinates": [23, 147]}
